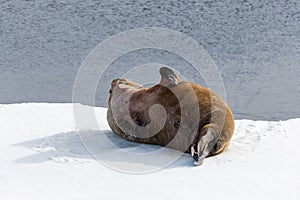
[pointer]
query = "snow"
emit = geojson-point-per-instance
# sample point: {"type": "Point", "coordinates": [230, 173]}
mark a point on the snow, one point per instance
{"type": "Point", "coordinates": [42, 157]}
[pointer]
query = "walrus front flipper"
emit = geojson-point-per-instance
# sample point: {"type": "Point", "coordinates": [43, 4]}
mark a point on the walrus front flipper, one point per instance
{"type": "Point", "coordinates": [204, 145]}
{"type": "Point", "coordinates": [168, 77]}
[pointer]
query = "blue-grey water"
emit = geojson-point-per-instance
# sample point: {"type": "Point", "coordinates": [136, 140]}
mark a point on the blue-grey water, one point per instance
{"type": "Point", "coordinates": [254, 43]}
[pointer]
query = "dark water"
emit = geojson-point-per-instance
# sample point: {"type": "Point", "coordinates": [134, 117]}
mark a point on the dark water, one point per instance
{"type": "Point", "coordinates": [255, 44]}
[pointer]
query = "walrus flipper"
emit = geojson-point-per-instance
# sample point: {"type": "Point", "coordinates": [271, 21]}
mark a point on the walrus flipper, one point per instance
{"type": "Point", "coordinates": [204, 145]}
{"type": "Point", "coordinates": [168, 77]}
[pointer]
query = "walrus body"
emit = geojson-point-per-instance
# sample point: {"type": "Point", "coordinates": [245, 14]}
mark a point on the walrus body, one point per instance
{"type": "Point", "coordinates": [196, 120]}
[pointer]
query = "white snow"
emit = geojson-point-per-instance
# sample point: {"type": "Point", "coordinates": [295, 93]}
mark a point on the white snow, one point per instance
{"type": "Point", "coordinates": [42, 157]}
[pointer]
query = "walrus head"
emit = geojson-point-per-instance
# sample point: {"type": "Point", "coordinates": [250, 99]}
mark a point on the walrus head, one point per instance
{"type": "Point", "coordinates": [168, 79]}
{"type": "Point", "coordinates": [123, 84]}
{"type": "Point", "coordinates": [132, 101]}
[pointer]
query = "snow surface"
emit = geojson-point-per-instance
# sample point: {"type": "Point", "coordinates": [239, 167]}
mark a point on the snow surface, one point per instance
{"type": "Point", "coordinates": [42, 157]}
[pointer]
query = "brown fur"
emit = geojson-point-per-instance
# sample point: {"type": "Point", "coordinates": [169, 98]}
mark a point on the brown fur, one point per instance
{"type": "Point", "coordinates": [214, 114]}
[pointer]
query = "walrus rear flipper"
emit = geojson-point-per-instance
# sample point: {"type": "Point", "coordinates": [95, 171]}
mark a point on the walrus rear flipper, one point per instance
{"type": "Point", "coordinates": [204, 145]}
{"type": "Point", "coordinates": [168, 77]}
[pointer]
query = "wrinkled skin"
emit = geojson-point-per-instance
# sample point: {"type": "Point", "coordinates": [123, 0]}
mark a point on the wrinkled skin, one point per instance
{"type": "Point", "coordinates": [200, 124]}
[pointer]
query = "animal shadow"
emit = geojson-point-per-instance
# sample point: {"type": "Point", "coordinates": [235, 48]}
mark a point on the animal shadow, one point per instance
{"type": "Point", "coordinates": [104, 146]}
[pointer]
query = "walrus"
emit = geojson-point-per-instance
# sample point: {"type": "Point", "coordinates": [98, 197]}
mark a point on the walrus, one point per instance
{"type": "Point", "coordinates": [173, 113]}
